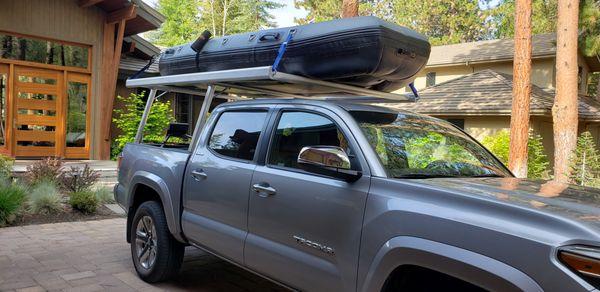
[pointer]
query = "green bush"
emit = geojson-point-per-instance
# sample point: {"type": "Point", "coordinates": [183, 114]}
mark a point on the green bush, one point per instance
{"type": "Point", "coordinates": [12, 197]}
{"type": "Point", "coordinates": [84, 201]}
{"type": "Point", "coordinates": [45, 198]}
{"type": "Point", "coordinates": [585, 162]}
{"type": "Point", "coordinates": [45, 170]}
{"type": "Point", "coordinates": [6, 166]}
{"type": "Point", "coordinates": [537, 160]}
{"type": "Point", "coordinates": [104, 195]}
{"type": "Point", "coordinates": [128, 118]}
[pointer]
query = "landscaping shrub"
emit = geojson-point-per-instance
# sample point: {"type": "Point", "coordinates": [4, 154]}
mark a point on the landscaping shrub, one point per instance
{"type": "Point", "coordinates": [128, 118]}
{"type": "Point", "coordinates": [76, 179]}
{"type": "Point", "coordinates": [12, 197]}
{"type": "Point", "coordinates": [46, 170]}
{"type": "Point", "coordinates": [585, 162]}
{"type": "Point", "coordinates": [104, 195]}
{"type": "Point", "coordinates": [6, 166]}
{"type": "Point", "coordinates": [84, 201]}
{"type": "Point", "coordinates": [45, 198]}
{"type": "Point", "coordinates": [537, 160]}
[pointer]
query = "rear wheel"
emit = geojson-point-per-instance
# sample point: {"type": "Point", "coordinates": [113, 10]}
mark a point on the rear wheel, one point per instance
{"type": "Point", "coordinates": [156, 254]}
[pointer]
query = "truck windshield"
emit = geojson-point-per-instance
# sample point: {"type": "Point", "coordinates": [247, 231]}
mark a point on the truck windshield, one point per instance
{"type": "Point", "coordinates": [412, 146]}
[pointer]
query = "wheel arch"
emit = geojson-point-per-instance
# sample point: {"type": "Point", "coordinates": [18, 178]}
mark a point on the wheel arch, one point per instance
{"type": "Point", "coordinates": [459, 263]}
{"type": "Point", "coordinates": [141, 183]}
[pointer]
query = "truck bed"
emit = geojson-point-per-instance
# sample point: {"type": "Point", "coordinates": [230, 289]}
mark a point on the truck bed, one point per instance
{"type": "Point", "coordinates": [160, 168]}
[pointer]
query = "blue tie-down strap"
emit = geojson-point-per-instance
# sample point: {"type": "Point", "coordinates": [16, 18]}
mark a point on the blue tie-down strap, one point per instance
{"type": "Point", "coordinates": [141, 71]}
{"type": "Point", "coordinates": [414, 90]}
{"type": "Point", "coordinates": [282, 50]}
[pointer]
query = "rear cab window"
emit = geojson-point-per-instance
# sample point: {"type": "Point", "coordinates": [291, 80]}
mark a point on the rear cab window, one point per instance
{"type": "Point", "coordinates": [236, 134]}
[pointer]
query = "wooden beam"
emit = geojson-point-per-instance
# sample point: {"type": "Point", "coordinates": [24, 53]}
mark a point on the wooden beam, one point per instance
{"type": "Point", "coordinates": [108, 47]}
{"type": "Point", "coordinates": [88, 3]}
{"type": "Point", "coordinates": [519, 120]}
{"type": "Point", "coordinates": [122, 14]}
{"type": "Point", "coordinates": [110, 69]}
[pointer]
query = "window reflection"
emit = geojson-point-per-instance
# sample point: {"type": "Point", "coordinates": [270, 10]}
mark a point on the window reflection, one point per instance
{"type": "Point", "coordinates": [42, 51]}
{"type": "Point", "coordinates": [236, 134]}
{"type": "Point", "coordinates": [76, 114]}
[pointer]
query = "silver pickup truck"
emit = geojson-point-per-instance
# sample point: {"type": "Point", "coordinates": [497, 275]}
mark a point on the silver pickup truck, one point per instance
{"type": "Point", "coordinates": [332, 196]}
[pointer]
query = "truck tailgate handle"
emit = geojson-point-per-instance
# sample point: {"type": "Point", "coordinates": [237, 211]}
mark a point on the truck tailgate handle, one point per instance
{"type": "Point", "coordinates": [263, 190]}
{"type": "Point", "coordinates": [199, 174]}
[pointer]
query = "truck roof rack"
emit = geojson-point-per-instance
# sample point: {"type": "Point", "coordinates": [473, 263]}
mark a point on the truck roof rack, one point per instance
{"type": "Point", "coordinates": [254, 82]}
{"type": "Point", "coordinates": [259, 82]}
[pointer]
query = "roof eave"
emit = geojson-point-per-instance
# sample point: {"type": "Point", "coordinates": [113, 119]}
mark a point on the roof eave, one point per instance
{"type": "Point", "coordinates": [485, 61]}
{"type": "Point", "coordinates": [143, 45]}
{"type": "Point", "coordinates": [149, 14]}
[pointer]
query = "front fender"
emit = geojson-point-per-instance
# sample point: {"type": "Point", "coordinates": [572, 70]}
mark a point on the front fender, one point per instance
{"type": "Point", "coordinates": [474, 268]}
{"type": "Point", "coordinates": [160, 187]}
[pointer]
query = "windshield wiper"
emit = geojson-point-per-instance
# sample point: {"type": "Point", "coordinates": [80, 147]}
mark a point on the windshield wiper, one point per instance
{"type": "Point", "coordinates": [432, 175]}
{"type": "Point", "coordinates": [422, 175]}
{"type": "Point", "coordinates": [487, 175]}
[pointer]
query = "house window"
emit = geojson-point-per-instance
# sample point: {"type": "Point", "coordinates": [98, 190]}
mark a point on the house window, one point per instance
{"type": "Point", "coordinates": [430, 79]}
{"type": "Point", "coordinates": [42, 51]}
{"type": "Point", "coordinates": [457, 122]}
{"type": "Point", "coordinates": [183, 108]}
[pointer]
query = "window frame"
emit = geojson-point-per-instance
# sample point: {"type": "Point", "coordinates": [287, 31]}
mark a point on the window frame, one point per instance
{"type": "Point", "coordinates": [205, 143]}
{"type": "Point", "coordinates": [356, 164]}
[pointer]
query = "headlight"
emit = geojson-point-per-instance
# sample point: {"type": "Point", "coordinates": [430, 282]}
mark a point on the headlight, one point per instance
{"type": "Point", "coordinates": [583, 260]}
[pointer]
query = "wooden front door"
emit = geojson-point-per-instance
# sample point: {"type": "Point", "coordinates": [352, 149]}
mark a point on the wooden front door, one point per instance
{"type": "Point", "coordinates": [38, 124]}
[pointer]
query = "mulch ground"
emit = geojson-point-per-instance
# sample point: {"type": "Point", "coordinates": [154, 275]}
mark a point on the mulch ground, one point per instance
{"type": "Point", "coordinates": [67, 215]}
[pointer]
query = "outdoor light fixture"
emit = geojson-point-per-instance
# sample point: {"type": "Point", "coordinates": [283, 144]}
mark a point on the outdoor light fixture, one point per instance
{"type": "Point", "coordinates": [583, 260]}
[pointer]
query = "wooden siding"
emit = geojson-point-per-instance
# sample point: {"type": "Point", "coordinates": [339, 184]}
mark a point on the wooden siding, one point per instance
{"type": "Point", "coordinates": [63, 20]}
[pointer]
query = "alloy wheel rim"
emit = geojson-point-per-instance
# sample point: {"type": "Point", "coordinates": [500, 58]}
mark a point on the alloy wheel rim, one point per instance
{"type": "Point", "coordinates": [145, 242]}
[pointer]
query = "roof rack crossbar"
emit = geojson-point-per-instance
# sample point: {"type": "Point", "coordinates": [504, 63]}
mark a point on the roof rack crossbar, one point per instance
{"type": "Point", "coordinates": [253, 78]}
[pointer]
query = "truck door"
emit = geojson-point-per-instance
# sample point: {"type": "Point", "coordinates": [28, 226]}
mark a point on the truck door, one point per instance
{"type": "Point", "coordinates": [304, 229]}
{"type": "Point", "coordinates": [217, 181]}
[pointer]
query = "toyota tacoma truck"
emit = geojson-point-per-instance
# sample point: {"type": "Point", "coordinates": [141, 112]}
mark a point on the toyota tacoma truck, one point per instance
{"type": "Point", "coordinates": [334, 196]}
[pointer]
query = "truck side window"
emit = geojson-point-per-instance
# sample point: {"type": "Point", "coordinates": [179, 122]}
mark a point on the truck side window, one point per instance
{"type": "Point", "coordinates": [236, 134]}
{"type": "Point", "coordinates": [299, 129]}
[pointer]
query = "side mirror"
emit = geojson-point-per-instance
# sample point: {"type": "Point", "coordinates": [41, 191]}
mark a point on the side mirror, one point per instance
{"type": "Point", "coordinates": [328, 160]}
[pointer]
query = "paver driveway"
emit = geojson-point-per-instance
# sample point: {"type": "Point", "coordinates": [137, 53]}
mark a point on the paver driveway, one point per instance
{"type": "Point", "coordinates": [93, 256]}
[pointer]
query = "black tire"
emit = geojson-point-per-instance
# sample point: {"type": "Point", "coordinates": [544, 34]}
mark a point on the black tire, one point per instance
{"type": "Point", "coordinates": [167, 250]}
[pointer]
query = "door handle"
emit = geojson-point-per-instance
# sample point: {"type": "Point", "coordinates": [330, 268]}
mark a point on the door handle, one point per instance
{"type": "Point", "coordinates": [263, 190]}
{"type": "Point", "coordinates": [199, 174]}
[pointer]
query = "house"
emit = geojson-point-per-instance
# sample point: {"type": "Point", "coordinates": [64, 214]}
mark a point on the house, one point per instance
{"type": "Point", "coordinates": [481, 102]}
{"type": "Point", "coordinates": [470, 85]}
{"type": "Point", "coordinates": [452, 61]}
{"type": "Point", "coordinates": [60, 66]}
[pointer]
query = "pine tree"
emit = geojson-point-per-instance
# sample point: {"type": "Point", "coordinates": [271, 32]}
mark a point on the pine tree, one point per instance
{"type": "Point", "coordinates": [537, 160]}
{"type": "Point", "coordinates": [186, 19]}
{"type": "Point", "coordinates": [585, 161]}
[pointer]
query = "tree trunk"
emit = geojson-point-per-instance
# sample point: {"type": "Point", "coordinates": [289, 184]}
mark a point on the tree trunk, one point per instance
{"type": "Point", "coordinates": [212, 17]}
{"type": "Point", "coordinates": [564, 111]}
{"type": "Point", "coordinates": [349, 8]}
{"type": "Point", "coordinates": [519, 121]}
{"type": "Point", "coordinates": [225, 11]}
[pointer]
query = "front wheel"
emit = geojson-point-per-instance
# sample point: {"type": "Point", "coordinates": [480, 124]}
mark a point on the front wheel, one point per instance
{"type": "Point", "coordinates": [156, 254]}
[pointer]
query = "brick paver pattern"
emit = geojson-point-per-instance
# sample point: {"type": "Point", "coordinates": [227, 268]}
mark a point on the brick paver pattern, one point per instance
{"type": "Point", "coordinates": [94, 256]}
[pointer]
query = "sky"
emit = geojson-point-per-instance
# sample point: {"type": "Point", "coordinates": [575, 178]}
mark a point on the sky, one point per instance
{"type": "Point", "coordinates": [283, 16]}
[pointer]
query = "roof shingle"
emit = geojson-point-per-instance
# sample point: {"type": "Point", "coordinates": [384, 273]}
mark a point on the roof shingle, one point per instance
{"type": "Point", "coordinates": [487, 93]}
{"type": "Point", "coordinates": [501, 49]}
